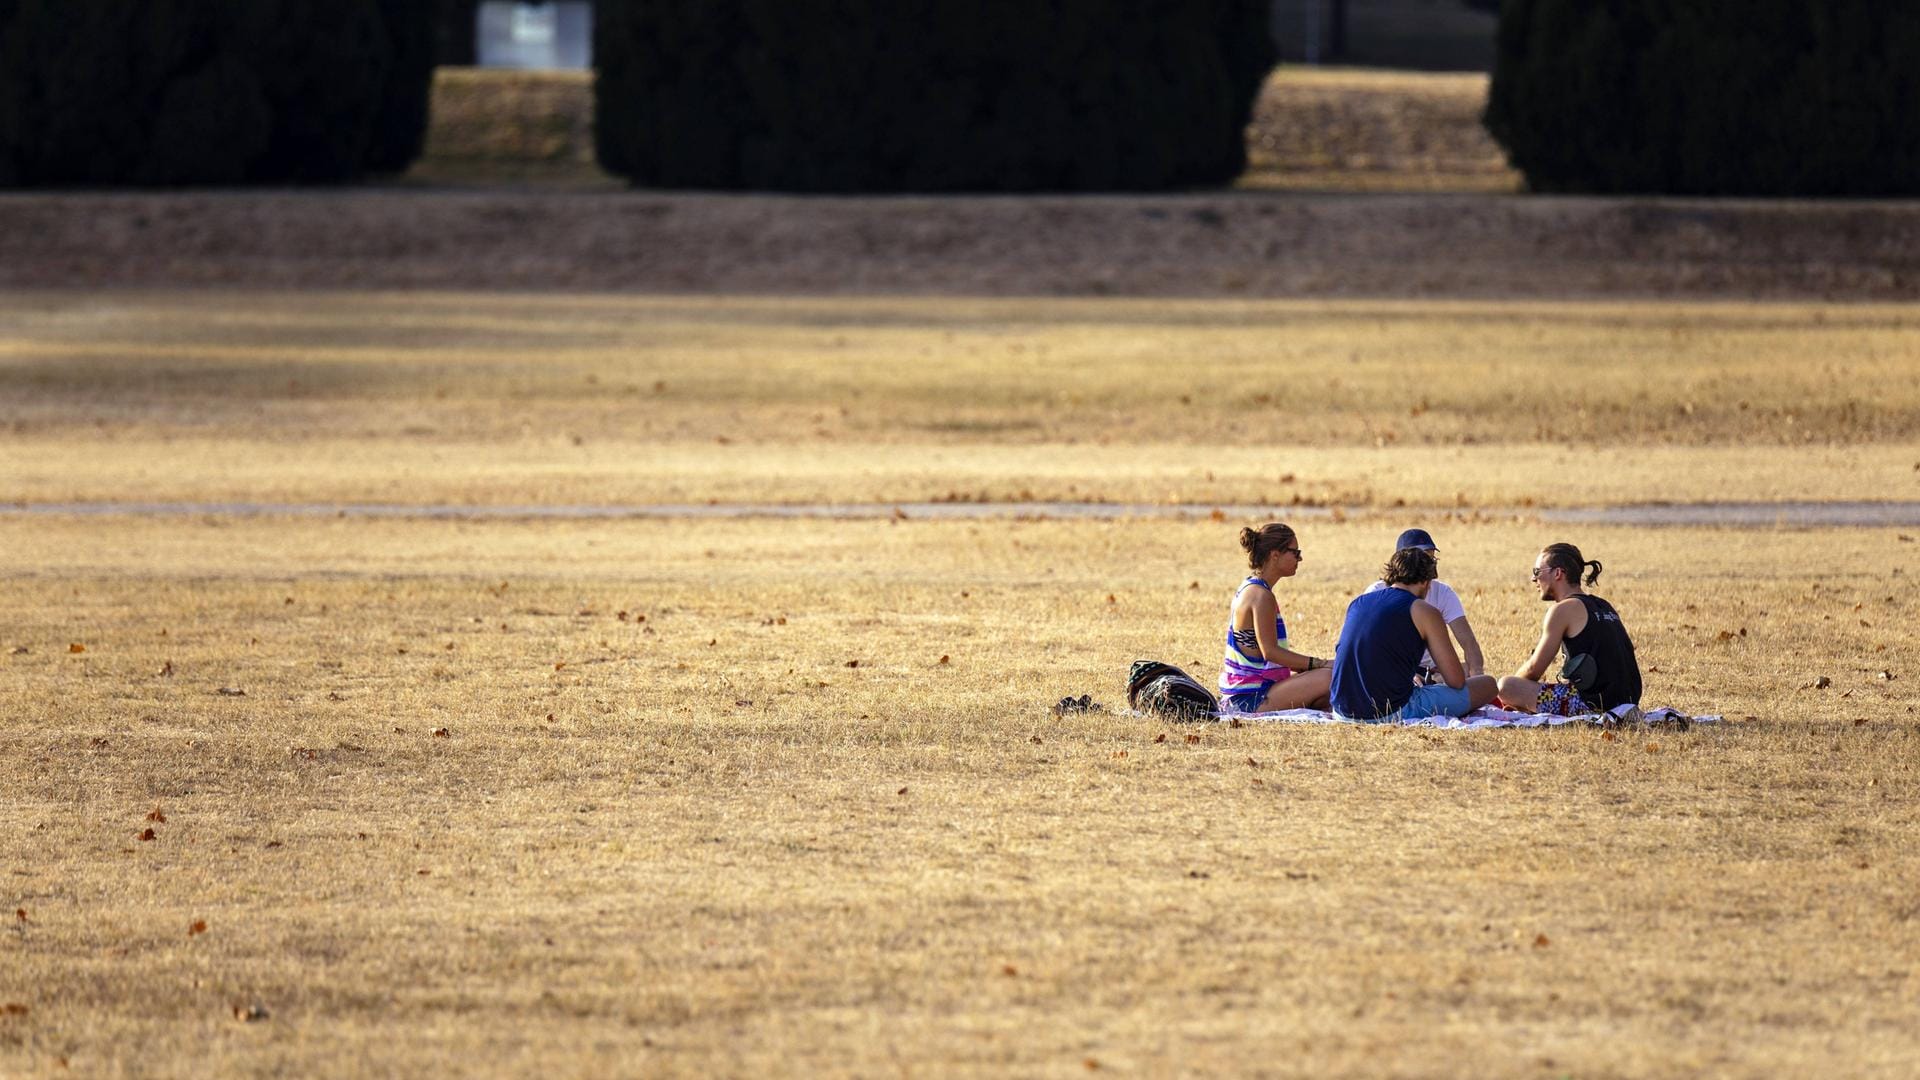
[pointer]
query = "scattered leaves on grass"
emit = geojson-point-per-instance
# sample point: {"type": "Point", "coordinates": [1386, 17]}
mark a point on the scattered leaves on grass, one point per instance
{"type": "Point", "coordinates": [20, 914]}
{"type": "Point", "coordinates": [902, 791]}
{"type": "Point", "coordinates": [944, 658]}
{"type": "Point", "coordinates": [742, 703]}
{"type": "Point", "coordinates": [1608, 736]}
{"type": "Point", "coordinates": [1192, 738]}
{"type": "Point", "coordinates": [1160, 738]}
{"type": "Point", "coordinates": [1193, 585]}
{"type": "Point", "coordinates": [18, 650]}
{"type": "Point", "coordinates": [13, 1008]}
{"type": "Point", "coordinates": [199, 927]}
{"type": "Point", "coordinates": [1254, 763]}
{"type": "Point", "coordinates": [231, 691]}
{"type": "Point", "coordinates": [1009, 970]}
{"type": "Point", "coordinates": [147, 834]}
{"type": "Point", "coordinates": [1034, 739]}
{"type": "Point", "coordinates": [1541, 941]}
{"type": "Point", "coordinates": [1235, 723]}
{"type": "Point", "coordinates": [166, 670]}
{"type": "Point", "coordinates": [853, 663]}
{"type": "Point", "coordinates": [1886, 676]}
{"type": "Point", "coordinates": [76, 647]}
{"type": "Point", "coordinates": [334, 695]}
{"type": "Point", "coordinates": [1197, 874]}
{"type": "Point", "coordinates": [1822, 683]}
{"type": "Point", "coordinates": [250, 1014]}
{"type": "Point", "coordinates": [157, 814]}
{"type": "Point", "coordinates": [1653, 748]}
{"type": "Point", "coordinates": [559, 664]}
{"type": "Point", "coordinates": [1217, 515]}
{"type": "Point", "coordinates": [442, 733]}
{"type": "Point", "coordinates": [1091, 1064]}
{"type": "Point", "coordinates": [97, 743]}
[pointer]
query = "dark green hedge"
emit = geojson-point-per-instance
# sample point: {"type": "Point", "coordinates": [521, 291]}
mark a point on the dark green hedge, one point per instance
{"type": "Point", "coordinates": [160, 92]}
{"type": "Point", "coordinates": [927, 95]}
{"type": "Point", "coordinates": [1710, 97]}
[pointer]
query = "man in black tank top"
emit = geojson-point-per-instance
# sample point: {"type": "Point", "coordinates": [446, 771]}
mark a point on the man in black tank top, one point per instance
{"type": "Point", "coordinates": [1601, 673]}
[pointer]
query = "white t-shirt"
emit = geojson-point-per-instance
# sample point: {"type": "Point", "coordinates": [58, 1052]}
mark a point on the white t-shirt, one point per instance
{"type": "Point", "coordinates": [1442, 596]}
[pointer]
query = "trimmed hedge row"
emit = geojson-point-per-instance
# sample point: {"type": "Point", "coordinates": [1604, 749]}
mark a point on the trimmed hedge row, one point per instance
{"type": "Point", "coordinates": [162, 92]}
{"type": "Point", "coordinates": [1710, 97]}
{"type": "Point", "coordinates": [927, 95]}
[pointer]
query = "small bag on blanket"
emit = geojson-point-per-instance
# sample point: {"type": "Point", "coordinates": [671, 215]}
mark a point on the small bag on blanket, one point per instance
{"type": "Point", "coordinates": [1164, 690]}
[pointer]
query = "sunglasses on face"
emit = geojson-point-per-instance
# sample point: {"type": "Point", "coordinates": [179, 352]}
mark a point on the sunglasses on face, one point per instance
{"type": "Point", "coordinates": [1542, 571]}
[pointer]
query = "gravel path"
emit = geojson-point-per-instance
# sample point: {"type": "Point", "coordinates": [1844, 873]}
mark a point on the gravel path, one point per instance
{"type": "Point", "coordinates": [1247, 243]}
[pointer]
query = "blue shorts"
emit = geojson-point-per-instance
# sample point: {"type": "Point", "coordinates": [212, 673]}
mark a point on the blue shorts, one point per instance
{"type": "Point", "coordinates": [1436, 700]}
{"type": "Point", "coordinates": [1245, 703]}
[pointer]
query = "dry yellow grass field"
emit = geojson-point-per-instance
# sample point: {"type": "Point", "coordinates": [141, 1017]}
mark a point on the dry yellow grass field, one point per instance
{"type": "Point", "coordinates": [740, 796]}
{"type": "Point", "coordinates": [607, 798]}
{"type": "Point", "coordinates": [524, 399]}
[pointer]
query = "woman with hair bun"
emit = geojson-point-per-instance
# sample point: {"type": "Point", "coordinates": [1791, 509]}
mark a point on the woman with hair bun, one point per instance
{"type": "Point", "coordinates": [1601, 672]}
{"type": "Point", "coordinates": [1262, 672]}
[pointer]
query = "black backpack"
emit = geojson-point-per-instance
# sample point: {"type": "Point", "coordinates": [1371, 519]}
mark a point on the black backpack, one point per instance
{"type": "Point", "coordinates": [1165, 691]}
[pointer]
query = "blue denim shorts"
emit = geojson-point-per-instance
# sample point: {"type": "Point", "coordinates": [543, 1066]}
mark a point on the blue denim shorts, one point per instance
{"type": "Point", "coordinates": [1436, 700]}
{"type": "Point", "coordinates": [1245, 703]}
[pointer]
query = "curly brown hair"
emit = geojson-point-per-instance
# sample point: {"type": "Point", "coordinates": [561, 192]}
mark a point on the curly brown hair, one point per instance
{"type": "Point", "coordinates": [1410, 566]}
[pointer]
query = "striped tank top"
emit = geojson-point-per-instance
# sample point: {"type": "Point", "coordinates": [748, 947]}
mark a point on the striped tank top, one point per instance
{"type": "Point", "coordinates": [1244, 671]}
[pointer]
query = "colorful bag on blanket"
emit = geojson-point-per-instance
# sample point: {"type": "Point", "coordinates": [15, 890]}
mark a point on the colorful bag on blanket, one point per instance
{"type": "Point", "coordinates": [1165, 690]}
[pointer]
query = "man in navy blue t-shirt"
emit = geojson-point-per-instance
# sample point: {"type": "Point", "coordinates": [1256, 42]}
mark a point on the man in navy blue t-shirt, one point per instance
{"type": "Point", "coordinates": [1380, 647]}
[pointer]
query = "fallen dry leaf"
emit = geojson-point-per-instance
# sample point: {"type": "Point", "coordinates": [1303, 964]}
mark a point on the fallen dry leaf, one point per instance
{"type": "Point", "coordinates": [1009, 970]}
{"type": "Point", "coordinates": [199, 927]}
{"type": "Point", "coordinates": [13, 1008]}
{"type": "Point", "coordinates": [147, 834]}
{"type": "Point", "coordinates": [1160, 738]}
{"type": "Point", "coordinates": [76, 647]}
{"type": "Point", "coordinates": [250, 1013]}
{"type": "Point", "coordinates": [1541, 941]}
{"type": "Point", "coordinates": [156, 814]}
{"type": "Point", "coordinates": [853, 663]}
{"type": "Point", "coordinates": [442, 733]}
{"type": "Point", "coordinates": [902, 791]}
{"type": "Point", "coordinates": [166, 669]}
{"type": "Point", "coordinates": [944, 658]}
{"type": "Point", "coordinates": [231, 691]}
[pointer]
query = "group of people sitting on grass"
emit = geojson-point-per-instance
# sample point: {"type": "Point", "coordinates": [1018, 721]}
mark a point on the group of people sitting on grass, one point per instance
{"type": "Point", "coordinates": [1395, 656]}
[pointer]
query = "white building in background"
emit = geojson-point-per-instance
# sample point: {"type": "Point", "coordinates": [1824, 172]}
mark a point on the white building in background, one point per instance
{"type": "Point", "coordinates": [545, 34]}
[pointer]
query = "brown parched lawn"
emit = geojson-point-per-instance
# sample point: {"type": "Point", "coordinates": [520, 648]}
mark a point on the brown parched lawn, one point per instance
{"type": "Point", "coordinates": [317, 795]}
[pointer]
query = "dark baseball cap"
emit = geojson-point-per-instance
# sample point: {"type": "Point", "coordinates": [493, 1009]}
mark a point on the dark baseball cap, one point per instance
{"type": "Point", "coordinates": [1414, 538]}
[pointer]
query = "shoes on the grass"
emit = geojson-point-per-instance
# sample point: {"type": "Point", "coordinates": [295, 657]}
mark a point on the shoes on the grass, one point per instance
{"type": "Point", "coordinates": [1081, 704]}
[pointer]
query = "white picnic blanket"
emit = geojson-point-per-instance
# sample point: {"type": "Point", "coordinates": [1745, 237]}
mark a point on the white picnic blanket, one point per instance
{"type": "Point", "coordinates": [1488, 717]}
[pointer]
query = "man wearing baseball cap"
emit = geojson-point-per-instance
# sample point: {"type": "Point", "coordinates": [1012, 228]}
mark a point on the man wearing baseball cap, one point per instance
{"type": "Point", "coordinates": [1442, 596]}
